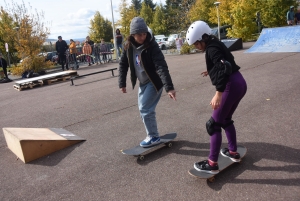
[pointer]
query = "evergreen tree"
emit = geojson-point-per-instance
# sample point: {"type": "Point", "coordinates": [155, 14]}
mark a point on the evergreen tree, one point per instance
{"type": "Point", "coordinates": [159, 24]}
{"type": "Point", "coordinates": [150, 4]}
{"type": "Point", "coordinates": [137, 4]}
{"type": "Point", "coordinates": [146, 13]}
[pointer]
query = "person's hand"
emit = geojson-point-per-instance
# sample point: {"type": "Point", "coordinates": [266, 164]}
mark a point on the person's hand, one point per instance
{"type": "Point", "coordinates": [204, 74]}
{"type": "Point", "coordinates": [123, 89]}
{"type": "Point", "coordinates": [172, 94]}
{"type": "Point", "coordinates": [216, 100]}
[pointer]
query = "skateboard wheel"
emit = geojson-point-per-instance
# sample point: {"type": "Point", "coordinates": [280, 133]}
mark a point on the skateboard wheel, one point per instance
{"type": "Point", "coordinates": [169, 144]}
{"type": "Point", "coordinates": [141, 158]}
{"type": "Point", "coordinates": [211, 180]}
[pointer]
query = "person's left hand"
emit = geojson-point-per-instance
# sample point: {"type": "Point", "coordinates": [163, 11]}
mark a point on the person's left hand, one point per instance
{"type": "Point", "coordinates": [172, 94]}
{"type": "Point", "coordinates": [216, 100]}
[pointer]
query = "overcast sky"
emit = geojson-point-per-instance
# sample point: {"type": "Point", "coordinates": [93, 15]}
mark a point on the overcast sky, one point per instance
{"type": "Point", "coordinates": [71, 18]}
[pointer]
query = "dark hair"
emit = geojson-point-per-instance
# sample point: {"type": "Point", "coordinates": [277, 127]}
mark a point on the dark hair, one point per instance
{"type": "Point", "coordinates": [130, 40]}
{"type": "Point", "coordinates": [207, 38]}
{"type": "Point", "coordinates": [117, 30]}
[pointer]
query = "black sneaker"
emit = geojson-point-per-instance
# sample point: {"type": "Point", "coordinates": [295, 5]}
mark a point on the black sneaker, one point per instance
{"type": "Point", "coordinates": [234, 157]}
{"type": "Point", "coordinates": [203, 166]}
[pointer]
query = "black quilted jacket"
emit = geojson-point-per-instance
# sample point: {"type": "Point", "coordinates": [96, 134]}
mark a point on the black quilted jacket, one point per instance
{"type": "Point", "coordinates": [154, 64]}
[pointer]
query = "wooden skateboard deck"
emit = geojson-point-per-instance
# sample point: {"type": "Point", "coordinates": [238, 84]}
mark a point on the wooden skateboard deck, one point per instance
{"type": "Point", "coordinates": [223, 163]}
{"type": "Point", "coordinates": [139, 151]}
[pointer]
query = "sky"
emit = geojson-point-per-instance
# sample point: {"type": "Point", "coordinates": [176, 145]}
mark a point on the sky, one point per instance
{"type": "Point", "coordinates": [71, 18]}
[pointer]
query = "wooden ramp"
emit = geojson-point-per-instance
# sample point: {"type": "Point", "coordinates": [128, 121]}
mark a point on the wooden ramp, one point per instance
{"type": "Point", "coordinates": [32, 143]}
{"type": "Point", "coordinates": [44, 80]}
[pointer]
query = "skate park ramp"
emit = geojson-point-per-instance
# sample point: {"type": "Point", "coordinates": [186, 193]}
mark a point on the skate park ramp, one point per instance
{"type": "Point", "coordinates": [281, 39]}
{"type": "Point", "coordinates": [32, 143]}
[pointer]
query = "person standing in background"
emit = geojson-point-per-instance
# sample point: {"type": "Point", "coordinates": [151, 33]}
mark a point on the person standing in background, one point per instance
{"type": "Point", "coordinates": [73, 52]}
{"type": "Point", "coordinates": [290, 16]}
{"type": "Point", "coordinates": [87, 50]}
{"type": "Point", "coordinates": [119, 41]}
{"type": "Point", "coordinates": [104, 51]}
{"type": "Point", "coordinates": [61, 47]}
{"type": "Point", "coordinates": [91, 43]}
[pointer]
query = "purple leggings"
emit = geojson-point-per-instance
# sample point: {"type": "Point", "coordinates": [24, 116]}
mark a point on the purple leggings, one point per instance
{"type": "Point", "coordinates": [235, 90]}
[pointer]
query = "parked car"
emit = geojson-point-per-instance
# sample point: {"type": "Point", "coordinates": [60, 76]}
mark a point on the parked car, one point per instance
{"type": "Point", "coordinates": [223, 31]}
{"type": "Point", "coordinates": [50, 55]}
{"type": "Point", "coordinates": [171, 39]}
{"type": "Point", "coordinates": [162, 42]}
{"type": "Point", "coordinates": [159, 36]}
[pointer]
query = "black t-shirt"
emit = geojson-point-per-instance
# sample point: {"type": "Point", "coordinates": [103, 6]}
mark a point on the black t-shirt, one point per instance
{"type": "Point", "coordinates": [119, 39]}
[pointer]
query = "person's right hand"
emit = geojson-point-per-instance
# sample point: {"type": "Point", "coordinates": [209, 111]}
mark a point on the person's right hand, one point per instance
{"type": "Point", "coordinates": [123, 89]}
{"type": "Point", "coordinates": [204, 74]}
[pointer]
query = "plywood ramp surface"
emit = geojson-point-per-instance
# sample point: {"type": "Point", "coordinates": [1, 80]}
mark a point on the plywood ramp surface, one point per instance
{"type": "Point", "coordinates": [32, 143]}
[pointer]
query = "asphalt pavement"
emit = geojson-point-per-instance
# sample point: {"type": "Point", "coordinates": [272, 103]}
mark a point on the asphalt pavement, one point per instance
{"type": "Point", "coordinates": [267, 123]}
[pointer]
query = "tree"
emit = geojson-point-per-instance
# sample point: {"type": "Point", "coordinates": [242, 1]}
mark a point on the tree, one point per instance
{"type": "Point", "coordinates": [200, 10]}
{"type": "Point", "coordinates": [150, 4]}
{"type": "Point", "coordinates": [126, 14]}
{"type": "Point", "coordinates": [146, 13]}
{"type": "Point", "coordinates": [137, 4]}
{"type": "Point", "coordinates": [177, 14]}
{"type": "Point", "coordinates": [100, 28]}
{"type": "Point", "coordinates": [6, 23]}
{"type": "Point", "coordinates": [243, 19]}
{"type": "Point", "coordinates": [273, 12]}
{"type": "Point", "coordinates": [159, 24]}
{"type": "Point", "coordinates": [29, 34]}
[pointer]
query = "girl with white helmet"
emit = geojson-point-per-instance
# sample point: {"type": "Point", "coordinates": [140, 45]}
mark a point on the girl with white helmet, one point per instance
{"type": "Point", "coordinates": [230, 89]}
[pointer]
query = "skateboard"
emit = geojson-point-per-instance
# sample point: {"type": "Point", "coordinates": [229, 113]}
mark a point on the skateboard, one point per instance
{"type": "Point", "coordinates": [223, 163]}
{"type": "Point", "coordinates": [140, 152]}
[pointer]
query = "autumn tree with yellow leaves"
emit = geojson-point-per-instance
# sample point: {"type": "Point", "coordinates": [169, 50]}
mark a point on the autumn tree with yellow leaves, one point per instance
{"type": "Point", "coordinates": [25, 32]}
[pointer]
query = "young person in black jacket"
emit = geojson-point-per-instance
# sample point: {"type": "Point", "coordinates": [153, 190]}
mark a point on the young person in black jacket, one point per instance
{"type": "Point", "coordinates": [147, 64]}
{"type": "Point", "coordinates": [61, 47]}
{"type": "Point", "coordinates": [230, 89]}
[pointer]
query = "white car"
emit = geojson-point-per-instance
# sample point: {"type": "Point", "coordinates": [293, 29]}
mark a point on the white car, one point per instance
{"type": "Point", "coordinates": [162, 42]}
{"type": "Point", "coordinates": [171, 39]}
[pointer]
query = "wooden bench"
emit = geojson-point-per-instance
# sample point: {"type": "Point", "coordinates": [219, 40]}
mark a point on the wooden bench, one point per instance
{"type": "Point", "coordinates": [75, 77]}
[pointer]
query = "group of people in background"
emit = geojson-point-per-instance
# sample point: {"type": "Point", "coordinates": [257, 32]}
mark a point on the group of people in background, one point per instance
{"type": "Point", "coordinates": [91, 51]}
{"type": "Point", "coordinates": [293, 17]}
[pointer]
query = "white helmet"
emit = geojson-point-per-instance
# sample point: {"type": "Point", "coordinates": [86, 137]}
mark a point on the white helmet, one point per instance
{"type": "Point", "coordinates": [150, 31]}
{"type": "Point", "coordinates": [196, 31]}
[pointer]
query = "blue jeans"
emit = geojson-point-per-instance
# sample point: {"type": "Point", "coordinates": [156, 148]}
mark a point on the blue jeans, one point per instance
{"type": "Point", "coordinates": [119, 46]}
{"type": "Point", "coordinates": [148, 98]}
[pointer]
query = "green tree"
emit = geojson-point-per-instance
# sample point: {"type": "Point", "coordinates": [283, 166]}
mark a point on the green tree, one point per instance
{"type": "Point", "coordinates": [159, 24]}
{"type": "Point", "coordinates": [126, 14]}
{"type": "Point", "coordinates": [137, 4]}
{"type": "Point", "coordinates": [146, 13]}
{"type": "Point", "coordinates": [150, 4]}
{"type": "Point", "coordinates": [100, 28]}
{"type": "Point", "coordinates": [177, 14]}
